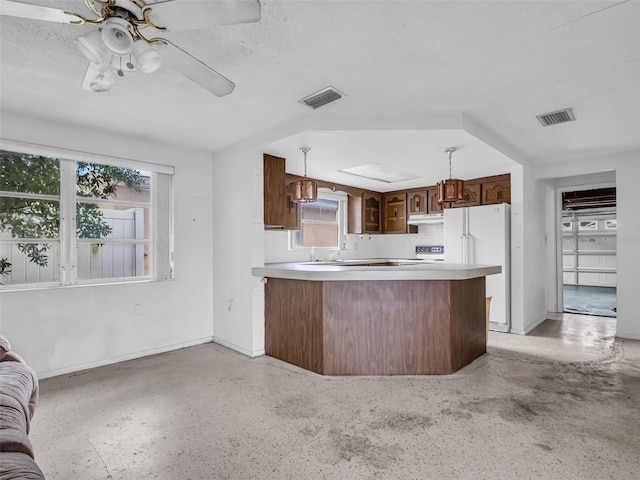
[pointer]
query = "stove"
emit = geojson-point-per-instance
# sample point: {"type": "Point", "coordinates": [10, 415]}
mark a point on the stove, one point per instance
{"type": "Point", "coordinates": [430, 253]}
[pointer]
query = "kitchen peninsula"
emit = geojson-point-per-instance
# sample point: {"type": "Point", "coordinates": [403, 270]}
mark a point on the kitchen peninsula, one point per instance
{"type": "Point", "coordinates": [380, 317]}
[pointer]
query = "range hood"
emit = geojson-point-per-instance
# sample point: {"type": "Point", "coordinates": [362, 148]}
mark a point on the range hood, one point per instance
{"type": "Point", "coordinates": [424, 218]}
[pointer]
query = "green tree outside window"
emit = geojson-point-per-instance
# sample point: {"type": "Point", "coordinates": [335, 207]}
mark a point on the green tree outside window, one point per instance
{"type": "Point", "coordinates": [24, 217]}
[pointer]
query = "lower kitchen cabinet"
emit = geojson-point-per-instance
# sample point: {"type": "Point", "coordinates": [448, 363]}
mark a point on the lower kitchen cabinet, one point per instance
{"type": "Point", "coordinates": [376, 327]}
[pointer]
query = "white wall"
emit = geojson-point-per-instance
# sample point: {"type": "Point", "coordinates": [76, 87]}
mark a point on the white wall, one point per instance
{"type": "Point", "coordinates": [238, 245]}
{"type": "Point", "coordinates": [65, 329]}
{"type": "Point", "coordinates": [528, 250]}
{"type": "Point", "coordinates": [627, 173]}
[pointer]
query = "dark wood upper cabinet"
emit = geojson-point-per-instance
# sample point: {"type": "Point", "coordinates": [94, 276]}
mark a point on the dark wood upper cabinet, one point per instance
{"type": "Point", "coordinates": [478, 191]}
{"type": "Point", "coordinates": [274, 191]}
{"type": "Point", "coordinates": [371, 212]}
{"type": "Point", "coordinates": [354, 213]}
{"type": "Point", "coordinates": [498, 190]}
{"type": "Point", "coordinates": [471, 196]}
{"type": "Point", "coordinates": [395, 208]}
{"type": "Point", "coordinates": [417, 201]}
{"type": "Point", "coordinates": [432, 195]}
{"type": "Point", "coordinates": [291, 216]}
{"type": "Point", "coordinates": [280, 211]}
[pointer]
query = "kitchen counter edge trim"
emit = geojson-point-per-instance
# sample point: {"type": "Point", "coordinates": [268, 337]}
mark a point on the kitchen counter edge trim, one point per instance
{"type": "Point", "coordinates": [323, 273]}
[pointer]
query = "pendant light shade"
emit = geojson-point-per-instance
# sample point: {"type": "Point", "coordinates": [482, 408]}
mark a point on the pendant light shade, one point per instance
{"type": "Point", "coordinates": [305, 190]}
{"type": "Point", "coordinates": [450, 190]}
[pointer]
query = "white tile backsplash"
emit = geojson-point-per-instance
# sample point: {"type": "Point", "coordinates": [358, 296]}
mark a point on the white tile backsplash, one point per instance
{"type": "Point", "coordinates": [276, 245]}
{"type": "Point", "coordinates": [404, 246]}
{"type": "Point", "coordinates": [433, 233]}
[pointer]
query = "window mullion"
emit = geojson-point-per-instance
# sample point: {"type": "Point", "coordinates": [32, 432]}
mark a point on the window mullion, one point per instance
{"type": "Point", "coordinates": [68, 271]}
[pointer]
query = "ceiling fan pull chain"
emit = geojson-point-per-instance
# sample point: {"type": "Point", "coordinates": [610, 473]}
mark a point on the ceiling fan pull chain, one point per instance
{"type": "Point", "coordinates": [130, 63]}
{"type": "Point", "coordinates": [120, 72]}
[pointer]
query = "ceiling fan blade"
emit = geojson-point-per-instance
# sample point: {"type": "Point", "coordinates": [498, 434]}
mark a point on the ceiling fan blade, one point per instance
{"type": "Point", "coordinates": [35, 12]}
{"type": "Point", "coordinates": [178, 15]}
{"type": "Point", "coordinates": [98, 78]}
{"type": "Point", "coordinates": [197, 71]}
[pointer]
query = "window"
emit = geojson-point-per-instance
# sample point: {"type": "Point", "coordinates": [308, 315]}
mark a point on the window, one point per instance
{"type": "Point", "coordinates": [322, 223]}
{"type": "Point", "coordinates": [588, 225]}
{"type": "Point", "coordinates": [65, 221]}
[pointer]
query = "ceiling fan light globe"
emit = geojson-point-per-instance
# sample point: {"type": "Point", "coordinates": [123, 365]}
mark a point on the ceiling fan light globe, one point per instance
{"type": "Point", "coordinates": [147, 58]}
{"type": "Point", "coordinates": [117, 37]}
{"type": "Point", "coordinates": [90, 46]}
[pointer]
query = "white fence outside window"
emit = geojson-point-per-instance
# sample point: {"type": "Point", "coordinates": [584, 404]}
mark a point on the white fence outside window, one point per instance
{"type": "Point", "coordinates": [114, 256]}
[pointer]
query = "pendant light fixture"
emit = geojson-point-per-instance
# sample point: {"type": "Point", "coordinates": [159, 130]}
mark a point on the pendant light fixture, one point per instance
{"type": "Point", "coordinates": [450, 190]}
{"type": "Point", "coordinates": [305, 190]}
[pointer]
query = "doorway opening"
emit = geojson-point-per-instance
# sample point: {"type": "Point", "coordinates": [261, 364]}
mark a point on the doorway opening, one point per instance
{"type": "Point", "coordinates": [589, 243]}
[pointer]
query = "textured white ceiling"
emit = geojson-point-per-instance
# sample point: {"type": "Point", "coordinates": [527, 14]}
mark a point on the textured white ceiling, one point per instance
{"type": "Point", "coordinates": [498, 63]}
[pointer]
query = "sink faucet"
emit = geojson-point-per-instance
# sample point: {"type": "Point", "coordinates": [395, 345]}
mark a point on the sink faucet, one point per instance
{"type": "Point", "coordinates": [312, 255]}
{"type": "Point", "coordinates": [331, 254]}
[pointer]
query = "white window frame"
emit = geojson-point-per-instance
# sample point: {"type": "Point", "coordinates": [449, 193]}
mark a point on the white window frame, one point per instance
{"type": "Point", "coordinates": [67, 204]}
{"type": "Point", "coordinates": [341, 198]}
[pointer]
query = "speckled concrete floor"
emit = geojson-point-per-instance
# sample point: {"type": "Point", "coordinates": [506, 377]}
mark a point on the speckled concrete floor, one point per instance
{"type": "Point", "coordinates": [545, 406]}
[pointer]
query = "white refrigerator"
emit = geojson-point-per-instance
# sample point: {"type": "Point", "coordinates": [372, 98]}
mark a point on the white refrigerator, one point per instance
{"type": "Point", "coordinates": [482, 235]}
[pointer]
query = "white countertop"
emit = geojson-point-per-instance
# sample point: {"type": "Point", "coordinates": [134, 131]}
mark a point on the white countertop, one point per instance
{"type": "Point", "coordinates": [402, 269]}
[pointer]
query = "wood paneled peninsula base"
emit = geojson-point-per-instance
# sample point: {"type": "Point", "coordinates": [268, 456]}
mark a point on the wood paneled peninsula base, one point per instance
{"type": "Point", "coordinates": [393, 320]}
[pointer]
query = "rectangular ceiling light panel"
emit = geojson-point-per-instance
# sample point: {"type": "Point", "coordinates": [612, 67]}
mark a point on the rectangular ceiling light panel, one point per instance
{"type": "Point", "coordinates": [322, 97]}
{"type": "Point", "coordinates": [554, 118]}
{"type": "Point", "coordinates": [375, 171]}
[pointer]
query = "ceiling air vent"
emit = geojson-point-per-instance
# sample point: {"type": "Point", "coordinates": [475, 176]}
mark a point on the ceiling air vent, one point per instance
{"type": "Point", "coordinates": [554, 118]}
{"type": "Point", "coordinates": [322, 97]}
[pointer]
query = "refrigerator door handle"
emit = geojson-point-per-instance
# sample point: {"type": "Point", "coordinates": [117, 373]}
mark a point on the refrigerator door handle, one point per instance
{"type": "Point", "coordinates": [465, 248]}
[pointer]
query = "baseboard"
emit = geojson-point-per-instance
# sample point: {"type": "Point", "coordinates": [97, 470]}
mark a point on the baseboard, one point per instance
{"type": "Point", "coordinates": [518, 331]}
{"type": "Point", "coordinates": [122, 358]}
{"type": "Point", "coordinates": [628, 335]}
{"type": "Point", "coordinates": [498, 327]}
{"type": "Point", "coordinates": [237, 348]}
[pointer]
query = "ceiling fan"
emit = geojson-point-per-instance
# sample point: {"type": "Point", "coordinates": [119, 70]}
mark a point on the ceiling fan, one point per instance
{"type": "Point", "coordinates": [121, 45]}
